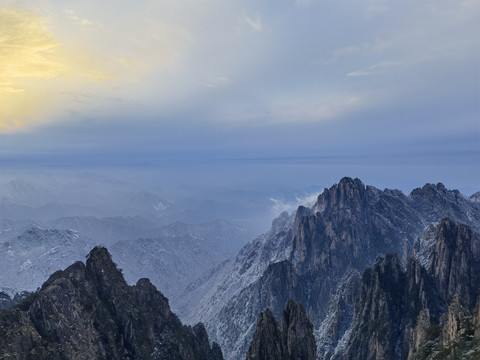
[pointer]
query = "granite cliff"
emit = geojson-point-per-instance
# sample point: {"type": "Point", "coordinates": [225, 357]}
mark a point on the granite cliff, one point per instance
{"type": "Point", "coordinates": [291, 340]}
{"type": "Point", "coordinates": [88, 311]}
{"type": "Point", "coordinates": [307, 256]}
{"type": "Point", "coordinates": [422, 312]}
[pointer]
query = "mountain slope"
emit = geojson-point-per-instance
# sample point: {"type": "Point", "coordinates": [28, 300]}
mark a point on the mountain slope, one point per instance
{"type": "Point", "coordinates": [178, 253]}
{"type": "Point", "coordinates": [31, 257]}
{"type": "Point", "coordinates": [89, 311]}
{"type": "Point", "coordinates": [171, 256]}
{"type": "Point", "coordinates": [345, 230]}
{"type": "Point", "coordinates": [404, 314]}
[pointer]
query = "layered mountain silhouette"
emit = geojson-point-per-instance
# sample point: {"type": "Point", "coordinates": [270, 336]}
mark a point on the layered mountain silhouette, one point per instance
{"type": "Point", "coordinates": [417, 312]}
{"type": "Point", "coordinates": [421, 312]}
{"type": "Point", "coordinates": [88, 311]}
{"type": "Point", "coordinates": [362, 274]}
{"type": "Point", "coordinates": [307, 257]}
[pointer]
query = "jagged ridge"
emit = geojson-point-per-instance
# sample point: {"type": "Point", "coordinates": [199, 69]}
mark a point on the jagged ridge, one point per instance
{"type": "Point", "coordinates": [89, 311]}
{"type": "Point", "coordinates": [345, 230]}
{"type": "Point", "coordinates": [420, 312]}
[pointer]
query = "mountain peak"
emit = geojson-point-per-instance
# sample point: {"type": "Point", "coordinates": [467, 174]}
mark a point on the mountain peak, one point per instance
{"type": "Point", "coordinates": [431, 189]}
{"type": "Point", "coordinates": [90, 311]}
{"type": "Point", "coordinates": [292, 340]}
{"type": "Point", "coordinates": [348, 181]}
{"type": "Point", "coordinates": [348, 193]}
{"type": "Point", "coordinates": [103, 271]}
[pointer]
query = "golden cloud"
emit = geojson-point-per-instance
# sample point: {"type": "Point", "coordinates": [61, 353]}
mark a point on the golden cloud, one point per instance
{"type": "Point", "coordinates": [31, 61]}
{"type": "Point", "coordinates": [27, 51]}
{"type": "Point", "coordinates": [43, 59]}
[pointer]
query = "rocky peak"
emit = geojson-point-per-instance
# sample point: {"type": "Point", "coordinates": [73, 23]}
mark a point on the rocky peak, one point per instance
{"type": "Point", "coordinates": [453, 320]}
{"type": "Point", "coordinates": [421, 311]}
{"type": "Point", "coordinates": [436, 202]}
{"type": "Point", "coordinates": [268, 342]}
{"type": "Point", "coordinates": [430, 190]}
{"type": "Point", "coordinates": [378, 312]}
{"type": "Point", "coordinates": [347, 195]}
{"type": "Point", "coordinates": [348, 226]}
{"type": "Point", "coordinates": [88, 311]}
{"type": "Point", "coordinates": [455, 263]}
{"type": "Point", "coordinates": [475, 197]}
{"type": "Point", "coordinates": [292, 340]}
{"type": "Point", "coordinates": [104, 273]}
{"type": "Point", "coordinates": [298, 331]}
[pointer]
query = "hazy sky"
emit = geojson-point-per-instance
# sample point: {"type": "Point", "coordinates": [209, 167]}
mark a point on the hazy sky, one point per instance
{"type": "Point", "coordinates": [284, 92]}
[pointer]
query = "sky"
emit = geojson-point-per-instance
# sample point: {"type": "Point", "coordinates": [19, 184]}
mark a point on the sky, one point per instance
{"type": "Point", "coordinates": [244, 94]}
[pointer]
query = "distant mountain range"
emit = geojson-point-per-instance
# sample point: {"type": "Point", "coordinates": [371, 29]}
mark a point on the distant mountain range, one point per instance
{"type": "Point", "coordinates": [43, 198]}
{"type": "Point", "coordinates": [173, 256]}
{"type": "Point", "coordinates": [362, 274]}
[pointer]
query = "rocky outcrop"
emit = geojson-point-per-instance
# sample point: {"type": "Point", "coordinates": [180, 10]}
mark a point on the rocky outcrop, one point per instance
{"type": "Point", "coordinates": [335, 328]}
{"type": "Point", "coordinates": [420, 313]}
{"type": "Point", "coordinates": [378, 312]}
{"type": "Point", "coordinates": [268, 342]}
{"type": "Point", "coordinates": [435, 201]}
{"type": "Point", "coordinates": [453, 337]}
{"type": "Point", "coordinates": [297, 330]}
{"type": "Point", "coordinates": [89, 311]}
{"type": "Point", "coordinates": [345, 230]}
{"type": "Point", "coordinates": [292, 340]}
{"type": "Point", "coordinates": [455, 264]}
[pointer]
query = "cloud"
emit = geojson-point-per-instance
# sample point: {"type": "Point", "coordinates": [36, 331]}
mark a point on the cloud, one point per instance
{"type": "Point", "coordinates": [471, 4]}
{"type": "Point", "coordinates": [281, 205]}
{"type": "Point", "coordinates": [220, 81]}
{"type": "Point", "coordinates": [378, 45]}
{"type": "Point", "coordinates": [28, 52]}
{"type": "Point", "coordinates": [315, 108]}
{"type": "Point", "coordinates": [28, 49]}
{"type": "Point", "coordinates": [44, 57]}
{"type": "Point", "coordinates": [307, 200]}
{"type": "Point", "coordinates": [81, 20]}
{"type": "Point", "coordinates": [33, 65]}
{"type": "Point", "coordinates": [128, 62]}
{"type": "Point", "coordinates": [349, 50]}
{"type": "Point", "coordinates": [254, 23]}
{"type": "Point", "coordinates": [379, 68]}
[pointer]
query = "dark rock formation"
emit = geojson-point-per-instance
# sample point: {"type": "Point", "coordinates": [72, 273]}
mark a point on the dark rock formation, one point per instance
{"type": "Point", "coordinates": [268, 342]}
{"type": "Point", "coordinates": [421, 313]}
{"type": "Point", "coordinates": [455, 264]}
{"type": "Point", "coordinates": [378, 311]}
{"type": "Point", "coordinates": [292, 340]}
{"type": "Point", "coordinates": [89, 312]}
{"type": "Point", "coordinates": [297, 330]}
{"type": "Point", "coordinates": [345, 230]}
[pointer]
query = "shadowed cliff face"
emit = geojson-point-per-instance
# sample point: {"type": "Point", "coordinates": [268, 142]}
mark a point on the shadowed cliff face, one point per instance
{"type": "Point", "coordinates": [421, 313]}
{"type": "Point", "coordinates": [455, 264]}
{"type": "Point", "coordinates": [89, 311]}
{"type": "Point", "coordinates": [292, 340]}
{"type": "Point", "coordinates": [345, 230]}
